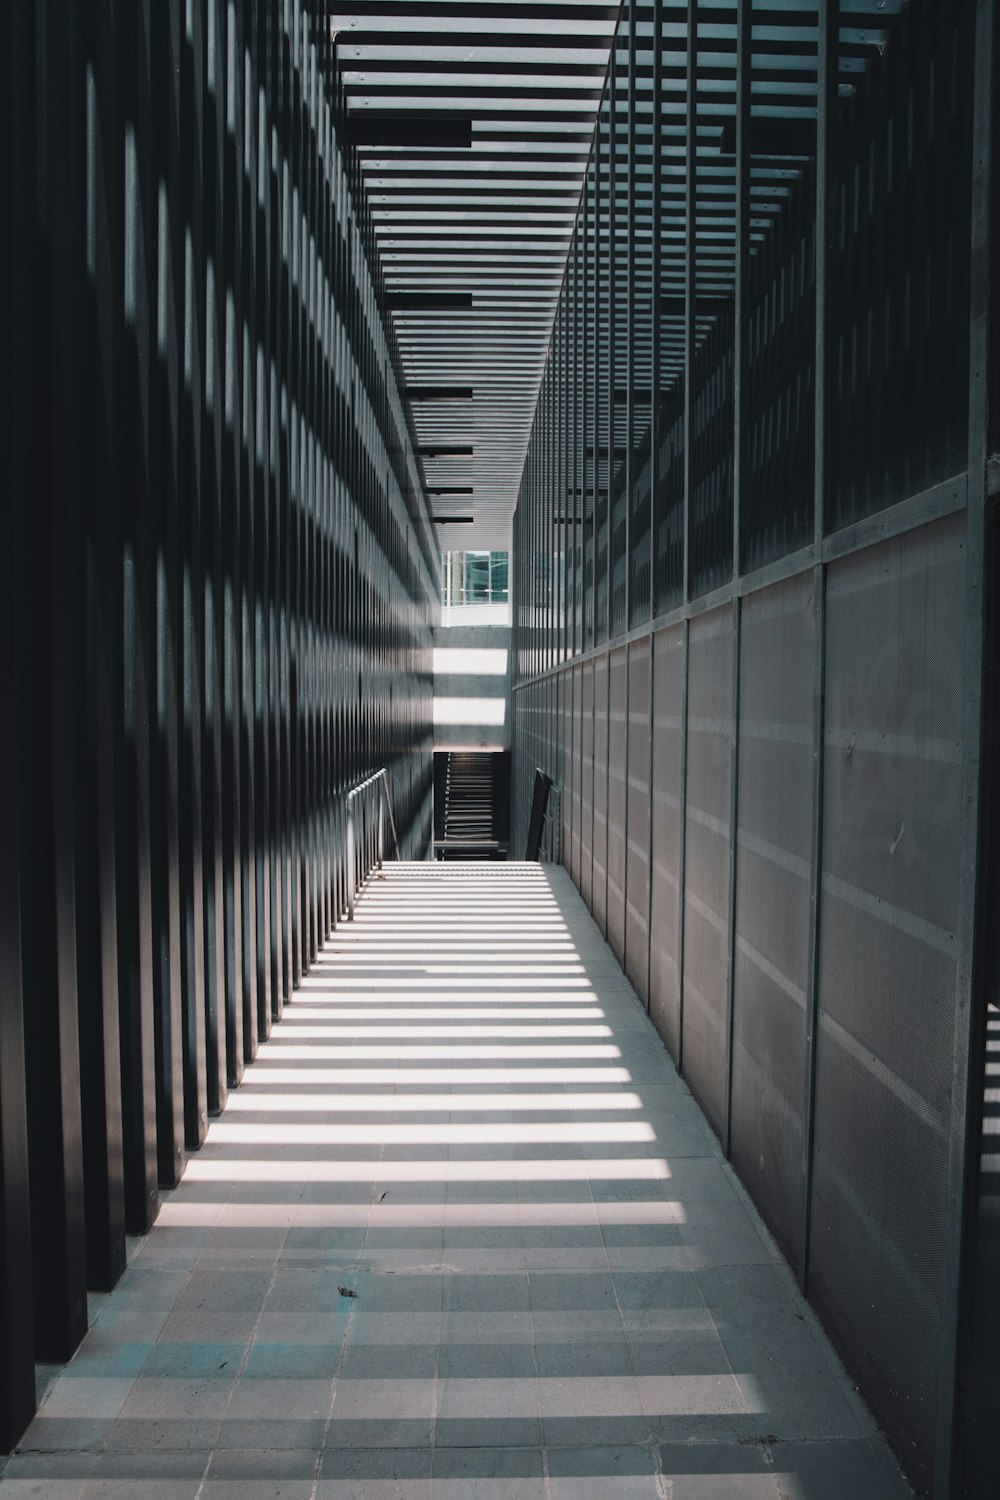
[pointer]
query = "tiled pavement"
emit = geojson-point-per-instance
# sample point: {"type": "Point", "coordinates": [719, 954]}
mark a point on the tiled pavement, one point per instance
{"type": "Point", "coordinates": [462, 1234]}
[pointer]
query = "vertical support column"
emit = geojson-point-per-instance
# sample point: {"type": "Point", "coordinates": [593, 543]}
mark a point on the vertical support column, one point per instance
{"type": "Point", "coordinates": [594, 227]}
{"type": "Point", "coordinates": [294, 496]}
{"type": "Point", "coordinates": [542, 448]}
{"type": "Point", "coordinates": [629, 443]}
{"type": "Point", "coordinates": [321, 490]}
{"type": "Point", "coordinates": [744, 66]}
{"type": "Point", "coordinates": [690, 281]}
{"type": "Point", "coordinates": [570, 501]}
{"type": "Point", "coordinates": [553, 498]}
{"type": "Point", "coordinates": [17, 269]}
{"type": "Point", "coordinates": [328, 676]}
{"type": "Point", "coordinates": [565, 501]}
{"type": "Point", "coordinates": [229, 155]}
{"type": "Point", "coordinates": [690, 310]}
{"type": "Point", "coordinates": [980, 706]}
{"type": "Point", "coordinates": [556, 489]}
{"type": "Point", "coordinates": [192, 125]}
{"type": "Point", "coordinates": [100, 562]}
{"type": "Point", "coordinates": [245, 131]}
{"type": "Point", "coordinates": [581, 436]}
{"type": "Point", "coordinates": [211, 530]}
{"type": "Point", "coordinates": [827, 79]}
{"type": "Point", "coordinates": [654, 449]}
{"type": "Point", "coordinates": [656, 340]}
{"type": "Point", "coordinates": [630, 345]}
{"type": "Point", "coordinates": [282, 293]}
{"type": "Point", "coordinates": [49, 671]}
{"type": "Point", "coordinates": [131, 417]}
{"type": "Point", "coordinates": [276, 49]}
{"type": "Point", "coordinates": [309, 493]}
{"type": "Point", "coordinates": [263, 843]}
{"type": "Point", "coordinates": [17, 1357]}
{"type": "Point", "coordinates": [682, 841]}
{"type": "Point", "coordinates": [610, 352]}
{"type": "Point", "coordinates": [153, 1097]}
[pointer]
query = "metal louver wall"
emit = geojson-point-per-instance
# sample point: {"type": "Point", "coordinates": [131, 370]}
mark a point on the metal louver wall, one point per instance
{"type": "Point", "coordinates": [759, 467]}
{"type": "Point", "coordinates": [219, 579]}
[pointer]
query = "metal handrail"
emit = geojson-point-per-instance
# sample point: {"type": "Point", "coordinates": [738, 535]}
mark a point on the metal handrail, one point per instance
{"type": "Point", "coordinates": [365, 841]}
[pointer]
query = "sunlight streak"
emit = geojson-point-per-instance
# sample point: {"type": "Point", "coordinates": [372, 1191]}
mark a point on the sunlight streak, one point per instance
{"type": "Point", "coordinates": [296, 1029]}
{"type": "Point", "coordinates": [521, 1050]}
{"type": "Point", "coordinates": [266, 1074]}
{"type": "Point", "coordinates": [650, 1212]}
{"type": "Point", "coordinates": [598, 1169]}
{"type": "Point", "coordinates": [429, 1103]}
{"type": "Point", "coordinates": [350, 1011]}
{"type": "Point", "coordinates": [271, 1133]}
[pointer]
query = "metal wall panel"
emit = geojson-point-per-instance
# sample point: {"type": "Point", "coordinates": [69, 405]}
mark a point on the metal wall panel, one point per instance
{"type": "Point", "coordinates": [771, 957]}
{"type": "Point", "coordinates": [587, 785]}
{"type": "Point", "coordinates": [705, 978]}
{"type": "Point", "coordinates": [667, 818]}
{"type": "Point", "coordinates": [559, 761]}
{"type": "Point", "coordinates": [887, 966]}
{"type": "Point", "coordinates": [567, 683]}
{"type": "Point", "coordinates": [617, 797]}
{"type": "Point", "coordinates": [599, 893]}
{"type": "Point", "coordinates": [637, 881]}
{"type": "Point", "coordinates": [576, 776]}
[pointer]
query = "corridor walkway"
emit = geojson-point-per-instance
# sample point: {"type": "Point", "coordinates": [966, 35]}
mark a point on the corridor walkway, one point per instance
{"type": "Point", "coordinates": [461, 1234]}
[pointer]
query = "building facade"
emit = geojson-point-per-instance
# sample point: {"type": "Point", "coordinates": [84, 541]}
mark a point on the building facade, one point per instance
{"type": "Point", "coordinates": [219, 586]}
{"type": "Point", "coordinates": [754, 641]}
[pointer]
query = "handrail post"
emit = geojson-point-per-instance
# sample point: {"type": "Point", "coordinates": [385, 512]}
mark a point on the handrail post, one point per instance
{"type": "Point", "coordinates": [388, 808]}
{"type": "Point", "coordinates": [351, 872]}
{"type": "Point", "coordinates": [381, 834]}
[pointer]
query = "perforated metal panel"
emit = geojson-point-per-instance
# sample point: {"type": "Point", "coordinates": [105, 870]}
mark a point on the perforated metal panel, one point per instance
{"type": "Point", "coordinates": [668, 755]}
{"type": "Point", "coordinates": [637, 883]}
{"type": "Point", "coordinates": [777, 661]}
{"type": "Point", "coordinates": [587, 782]}
{"type": "Point", "coordinates": [617, 739]}
{"type": "Point", "coordinates": [599, 894]}
{"type": "Point", "coordinates": [706, 884]}
{"type": "Point", "coordinates": [888, 920]}
{"type": "Point", "coordinates": [899, 289]}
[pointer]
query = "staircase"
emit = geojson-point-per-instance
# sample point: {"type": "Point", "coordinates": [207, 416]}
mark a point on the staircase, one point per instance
{"type": "Point", "coordinates": [470, 807]}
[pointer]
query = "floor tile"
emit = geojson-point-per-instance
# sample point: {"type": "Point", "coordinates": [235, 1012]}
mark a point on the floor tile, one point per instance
{"type": "Point", "coordinates": [830, 1470]}
{"type": "Point", "coordinates": [263, 1463]}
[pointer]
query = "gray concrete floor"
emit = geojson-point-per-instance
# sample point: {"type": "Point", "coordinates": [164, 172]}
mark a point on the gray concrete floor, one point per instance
{"type": "Point", "coordinates": [461, 1234]}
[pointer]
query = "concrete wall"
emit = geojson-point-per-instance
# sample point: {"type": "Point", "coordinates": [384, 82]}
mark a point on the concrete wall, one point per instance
{"type": "Point", "coordinates": [472, 687]}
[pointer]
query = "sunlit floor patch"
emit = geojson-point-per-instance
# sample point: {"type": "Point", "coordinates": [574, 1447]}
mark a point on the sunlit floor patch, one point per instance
{"type": "Point", "coordinates": [461, 1234]}
{"type": "Point", "coordinates": [420, 1103]}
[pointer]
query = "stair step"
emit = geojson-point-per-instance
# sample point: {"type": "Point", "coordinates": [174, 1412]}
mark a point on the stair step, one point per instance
{"type": "Point", "coordinates": [468, 806]}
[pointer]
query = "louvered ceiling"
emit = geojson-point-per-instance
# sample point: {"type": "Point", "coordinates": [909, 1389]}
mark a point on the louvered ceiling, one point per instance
{"type": "Point", "coordinates": [473, 123]}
